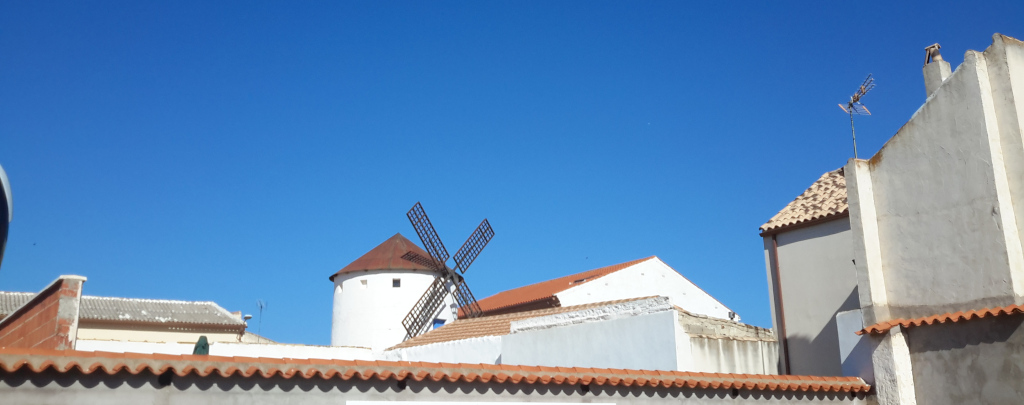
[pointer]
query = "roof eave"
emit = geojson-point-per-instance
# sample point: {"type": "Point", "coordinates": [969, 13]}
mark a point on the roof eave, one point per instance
{"type": "Point", "coordinates": [803, 224]}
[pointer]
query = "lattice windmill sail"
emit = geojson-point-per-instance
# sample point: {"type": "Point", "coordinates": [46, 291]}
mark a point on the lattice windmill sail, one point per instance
{"type": "Point", "coordinates": [854, 107]}
{"type": "Point", "coordinates": [432, 302]}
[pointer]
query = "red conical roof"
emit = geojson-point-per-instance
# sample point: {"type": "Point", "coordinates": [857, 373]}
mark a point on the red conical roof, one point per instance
{"type": "Point", "coordinates": [387, 256]}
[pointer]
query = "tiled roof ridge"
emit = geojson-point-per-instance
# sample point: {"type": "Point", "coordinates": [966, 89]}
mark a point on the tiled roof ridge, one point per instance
{"type": "Point", "coordinates": [825, 198]}
{"type": "Point", "coordinates": [93, 297]}
{"type": "Point", "coordinates": [425, 339]}
{"type": "Point", "coordinates": [883, 327]}
{"type": "Point", "coordinates": [156, 300]}
{"type": "Point", "coordinates": [34, 360]}
{"type": "Point", "coordinates": [555, 287]}
{"type": "Point", "coordinates": [142, 310]}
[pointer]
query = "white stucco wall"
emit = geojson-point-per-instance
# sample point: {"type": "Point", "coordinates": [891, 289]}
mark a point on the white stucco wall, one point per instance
{"type": "Point", "coordinates": [231, 349]}
{"type": "Point", "coordinates": [482, 350]}
{"type": "Point", "coordinates": [854, 349]}
{"type": "Point", "coordinates": [639, 334]}
{"type": "Point", "coordinates": [154, 335]}
{"type": "Point", "coordinates": [370, 314]}
{"type": "Point", "coordinates": [638, 342]}
{"type": "Point", "coordinates": [818, 279]}
{"type": "Point", "coordinates": [649, 278]}
{"type": "Point", "coordinates": [720, 355]}
{"type": "Point", "coordinates": [941, 191]}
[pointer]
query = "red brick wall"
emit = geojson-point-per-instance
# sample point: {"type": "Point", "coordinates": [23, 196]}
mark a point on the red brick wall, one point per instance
{"type": "Point", "coordinates": [48, 321]}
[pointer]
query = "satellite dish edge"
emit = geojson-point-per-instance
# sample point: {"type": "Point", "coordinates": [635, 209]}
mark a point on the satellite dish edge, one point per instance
{"type": "Point", "coordinates": [6, 211]}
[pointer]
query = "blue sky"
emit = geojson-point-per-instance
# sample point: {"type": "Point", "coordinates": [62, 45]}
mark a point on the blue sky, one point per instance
{"type": "Point", "coordinates": [248, 150]}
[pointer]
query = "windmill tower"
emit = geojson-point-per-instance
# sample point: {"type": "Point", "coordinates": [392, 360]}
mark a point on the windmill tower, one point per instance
{"type": "Point", "coordinates": [374, 293]}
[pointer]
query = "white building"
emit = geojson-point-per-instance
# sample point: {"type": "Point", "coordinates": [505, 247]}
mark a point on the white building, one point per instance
{"type": "Point", "coordinates": [639, 333]}
{"type": "Point", "coordinates": [373, 293]}
{"type": "Point", "coordinates": [640, 314]}
{"type": "Point", "coordinates": [812, 278]}
{"type": "Point", "coordinates": [645, 277]}
{"type": "Point", "coordinates": [937, 218]}
{"type": "Point", "coordinates": [932, 243]}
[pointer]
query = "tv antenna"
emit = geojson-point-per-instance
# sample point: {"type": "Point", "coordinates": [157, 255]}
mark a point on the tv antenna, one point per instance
{"type": "Point", "coordinates": [259, 328]}
{"type": "Point", "coordinates": [854, 107]}
{"type": "Point", "coordinates": [449, 281]}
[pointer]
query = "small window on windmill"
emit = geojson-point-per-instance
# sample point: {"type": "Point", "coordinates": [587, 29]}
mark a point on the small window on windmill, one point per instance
{"type": "Point", "coordinates": [396, 282]}
{"type": "Point", "coordinates": [362, 283]}
{"type": "Point", "coordinates": [437, 323]}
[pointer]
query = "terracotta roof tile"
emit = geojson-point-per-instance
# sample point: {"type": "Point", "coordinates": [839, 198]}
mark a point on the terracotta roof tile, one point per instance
{"type": "Point", "coordinates": [494, 325]}
{"type": "Point", "coordinates": [883, 327]}
{"type": "Point", "coordinates": [114, 309]}
{"type": "Point", "coordinates": [36, 361]}
{"type": "Point", "coordinates": [538, 293]}
{"type": "Point", "coordinates": [387, 256]}
{"type": "Point", "coordinates": [826, 198]}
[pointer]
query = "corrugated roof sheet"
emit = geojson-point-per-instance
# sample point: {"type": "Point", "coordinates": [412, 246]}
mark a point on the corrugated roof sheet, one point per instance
{"type": "Point", "coordinates": [495, 325]}
{"type": "Point", "coordinates": [546, 290]}
{"type": "Point", "coordinates": [825, 198]}
{"type": "Point", "coordinates": [387, 256]}
{"type": "Point", "coordinates": [37, 361]}
{"type": "Point", "coordinates": [136, 310]}
{"type": "Point", "coordinates": [883, 327]}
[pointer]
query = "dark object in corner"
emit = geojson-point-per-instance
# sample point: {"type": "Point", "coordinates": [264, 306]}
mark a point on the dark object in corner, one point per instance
{"type": "Point", "coordinates": [202, 346]}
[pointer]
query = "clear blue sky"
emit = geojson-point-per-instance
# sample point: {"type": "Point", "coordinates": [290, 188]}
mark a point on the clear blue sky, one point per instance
{"type": "Point", "coordinates": [241, 151]}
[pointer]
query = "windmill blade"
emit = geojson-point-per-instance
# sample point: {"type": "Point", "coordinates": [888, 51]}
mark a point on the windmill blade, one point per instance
{"type": "Point", "coordinates": [425, 230]}
{"type": "Point", "coordinates": [419, 259]}
{"type": "Point", "coordinates": [471, 249]}
{"type": "Point", "coordinates": [467, 302]}
{"type": "Point", "coordinates": [426, 309]}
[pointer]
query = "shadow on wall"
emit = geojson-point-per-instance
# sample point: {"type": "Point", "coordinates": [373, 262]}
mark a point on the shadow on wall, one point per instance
{"type": "Point", "coordinates": [820, 355]}
{"type": "Point", "coordinates": [976, 361]}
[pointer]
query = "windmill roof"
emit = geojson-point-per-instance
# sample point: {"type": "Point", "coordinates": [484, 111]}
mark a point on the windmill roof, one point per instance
{"type": "Point", "coordinates": [387, 256]}
{"type": "Point", "coordinates": [542, 294]}
{"type": "Point", "coordinates": [824, 199]}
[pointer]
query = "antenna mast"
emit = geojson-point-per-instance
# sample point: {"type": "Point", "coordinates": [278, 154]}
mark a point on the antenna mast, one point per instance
{"type": "Point", "coordinates": [259, 328]}
{"type": "Point", "coordinates": [854, 106]}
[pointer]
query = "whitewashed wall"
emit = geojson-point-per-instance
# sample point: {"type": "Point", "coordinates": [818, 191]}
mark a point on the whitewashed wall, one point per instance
{"type": "Point", "coordinates": [646, 342]}
{"type": "Point", "coordinates": [370, 315]}
{"type": "Point", "coordinates": [482, 350]}
{"type": "Point", "coordinates": [140, 334]}
{"type": "Point", "coordinates": [941, 212]}
{"type": "Point", "coordinates": [230, 349]}
{"type": "Point", "coordinates": [721, 355]}
{"type": "Point", "coordinates": [649, 278]}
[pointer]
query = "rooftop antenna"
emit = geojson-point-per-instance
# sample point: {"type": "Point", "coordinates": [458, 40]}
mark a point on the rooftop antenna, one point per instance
{"type": "Point", "coordinates": [854, 106]}
{"type": "Point", "coordinates": [259, 325]}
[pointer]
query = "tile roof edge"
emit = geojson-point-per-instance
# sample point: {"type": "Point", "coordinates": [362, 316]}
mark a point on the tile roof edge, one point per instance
{"type": "Point", "coordinates": [884, 327]}
{"type": "Point", "coordinates": [792, 226]}
{"type": "Point", "coordinates": [35, 360]}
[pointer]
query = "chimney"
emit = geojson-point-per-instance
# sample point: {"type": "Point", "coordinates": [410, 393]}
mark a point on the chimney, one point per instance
{"type": "Point", "coordinates": [935, 69]}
